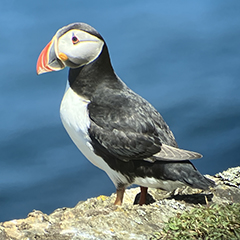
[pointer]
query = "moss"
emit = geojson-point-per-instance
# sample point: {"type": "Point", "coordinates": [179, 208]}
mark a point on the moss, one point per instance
{"type": "Point", "coordinates": [214, 222]}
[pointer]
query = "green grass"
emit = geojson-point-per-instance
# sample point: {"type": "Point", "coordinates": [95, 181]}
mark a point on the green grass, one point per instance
{"type": "Point", "coordinates": [214, 222]}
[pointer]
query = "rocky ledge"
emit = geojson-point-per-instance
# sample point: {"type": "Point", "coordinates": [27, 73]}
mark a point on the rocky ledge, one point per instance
{"type": "Point", "coordinates": [98, 218]}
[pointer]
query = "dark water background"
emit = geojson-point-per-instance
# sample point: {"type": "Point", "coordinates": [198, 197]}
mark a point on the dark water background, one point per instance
{"type": "Point", "coordinates": [182, 56]}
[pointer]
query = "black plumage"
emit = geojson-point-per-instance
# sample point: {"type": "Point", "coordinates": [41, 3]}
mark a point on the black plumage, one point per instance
{"type": "Point", "coordinates": [125, 129]}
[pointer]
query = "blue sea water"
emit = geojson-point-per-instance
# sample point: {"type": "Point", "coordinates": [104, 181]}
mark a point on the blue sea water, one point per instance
{"type": "Point", "coordinates": [182, 56]}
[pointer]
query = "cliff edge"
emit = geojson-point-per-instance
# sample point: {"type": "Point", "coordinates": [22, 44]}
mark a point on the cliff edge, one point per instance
{"type": "Point", "coordinates": [98, 218]}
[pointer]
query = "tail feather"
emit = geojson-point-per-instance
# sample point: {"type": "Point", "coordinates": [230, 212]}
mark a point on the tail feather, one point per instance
{"type": "Point", "coordinates": [186, 173]}
{"type": "Point", "coordinates": [199, 181]}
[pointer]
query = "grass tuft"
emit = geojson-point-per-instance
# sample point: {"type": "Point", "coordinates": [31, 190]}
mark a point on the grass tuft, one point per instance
{"type": "Point", "coordinates": [214, 222]}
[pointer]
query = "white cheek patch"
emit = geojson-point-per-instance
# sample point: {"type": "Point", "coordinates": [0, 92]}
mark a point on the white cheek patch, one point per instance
{"type": "Point", "coordinates": [85, 51]}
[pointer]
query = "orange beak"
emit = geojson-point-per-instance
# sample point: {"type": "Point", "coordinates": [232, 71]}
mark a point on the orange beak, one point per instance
{"type": "Point", "coordinates": [42, 62]}
{"type": "Point", "coordinates": [48, 60]}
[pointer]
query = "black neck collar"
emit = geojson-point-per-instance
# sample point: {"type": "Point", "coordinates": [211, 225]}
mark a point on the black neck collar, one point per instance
{"type": "Point", "coordinates": [87, 79]}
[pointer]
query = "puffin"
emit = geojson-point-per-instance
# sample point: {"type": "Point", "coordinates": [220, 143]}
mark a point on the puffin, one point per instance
{"type": "Point", "coordinates": [116, 129]}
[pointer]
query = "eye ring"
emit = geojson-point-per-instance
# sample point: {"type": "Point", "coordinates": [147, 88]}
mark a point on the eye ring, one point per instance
{"type": "Point", "coordinates": [75, 40]}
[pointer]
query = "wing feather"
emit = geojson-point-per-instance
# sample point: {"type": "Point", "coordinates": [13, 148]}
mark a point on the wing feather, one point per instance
{"type": "Point", "coordinates": [169, 153]}
{"type": "Point", "coordinates": [127, 127]}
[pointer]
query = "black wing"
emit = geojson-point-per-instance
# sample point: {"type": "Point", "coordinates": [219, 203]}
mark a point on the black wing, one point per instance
{"type": "Point", "coordinates": [127, 126]}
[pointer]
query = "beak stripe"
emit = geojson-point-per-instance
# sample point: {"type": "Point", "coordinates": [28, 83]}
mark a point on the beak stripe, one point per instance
{"type": "Point", "coordinates": [42, 63]}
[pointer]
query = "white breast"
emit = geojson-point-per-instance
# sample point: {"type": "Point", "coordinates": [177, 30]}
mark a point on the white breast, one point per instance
{"type": "Point", "coordinates": [75, 119]}
{"type": "Point", "coordinates": [74, 113]}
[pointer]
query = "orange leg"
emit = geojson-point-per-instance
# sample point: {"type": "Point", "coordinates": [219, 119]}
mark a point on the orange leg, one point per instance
{"type": "Point", "coordinates": [143, 195]}
{"type": "Point", "coordinates": [119, 198]}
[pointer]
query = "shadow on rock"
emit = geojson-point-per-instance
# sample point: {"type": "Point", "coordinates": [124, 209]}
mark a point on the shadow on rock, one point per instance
{"type": "Point", "coordinates": [193, 198]}
{"type": "Point", "coordinates": [149, 199]}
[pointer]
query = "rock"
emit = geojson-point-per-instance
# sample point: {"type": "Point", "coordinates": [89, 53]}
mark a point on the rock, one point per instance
{"type": "Point", "coordinates": [98, 218]}
{"type": "Point", "coordinates": [230, 177]}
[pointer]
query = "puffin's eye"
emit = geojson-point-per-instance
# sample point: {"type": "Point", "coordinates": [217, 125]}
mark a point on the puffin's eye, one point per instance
{"type": "Point", "coordinates": [75, 40]}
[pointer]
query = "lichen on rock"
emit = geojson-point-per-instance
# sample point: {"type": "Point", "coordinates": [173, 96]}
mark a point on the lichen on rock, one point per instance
{"type": "Point", "coordinates": [230, 177]}
{"type": "Point", "coordinates": [98, 218]}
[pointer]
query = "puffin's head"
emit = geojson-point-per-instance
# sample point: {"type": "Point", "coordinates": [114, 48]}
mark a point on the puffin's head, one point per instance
{"type": "Point", "coordinates": [72, 46]}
